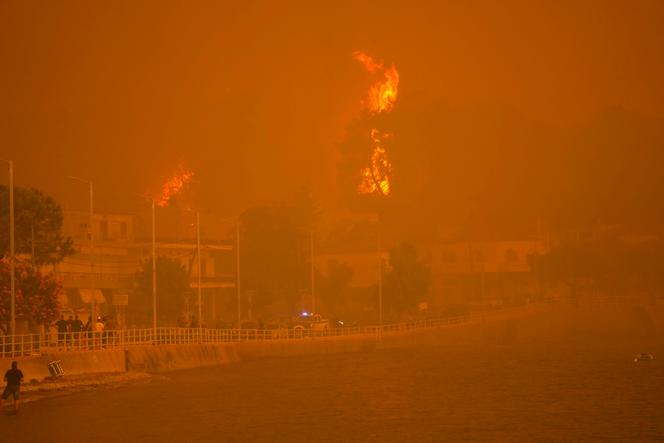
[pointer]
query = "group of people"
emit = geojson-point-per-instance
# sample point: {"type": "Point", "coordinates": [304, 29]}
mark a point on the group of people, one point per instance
{"type": "Point", "coordinates": [74, 330]}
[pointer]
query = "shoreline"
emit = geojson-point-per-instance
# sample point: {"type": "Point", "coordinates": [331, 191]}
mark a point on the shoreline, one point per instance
{"type": "Point", "coordinates": [69, 384]}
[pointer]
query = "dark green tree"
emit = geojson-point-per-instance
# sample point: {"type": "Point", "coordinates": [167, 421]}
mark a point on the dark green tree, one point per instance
{"type": "Point", "coordinates": [172, 287]}
{"type": "Point", "coordinates": [332, 284]}
{"type": "Point", "coordinates": [38, 224]}
{"type": "Point", "coordinates": [36, 295]}
{"type": "Point", "coordinates": [275, 250]}
{"type": "Point", "coordinates": [406, 281]}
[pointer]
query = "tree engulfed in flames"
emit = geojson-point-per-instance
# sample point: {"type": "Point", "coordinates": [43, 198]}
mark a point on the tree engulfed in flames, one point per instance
{"type": "Point", "coordinates": [174, 185]}
{"type": "Point", "coordinates": [382, 97]}
{"type": "Point", "coordinates": [383, 93]}
{"type": "Point", "coordinates": [376, 178]}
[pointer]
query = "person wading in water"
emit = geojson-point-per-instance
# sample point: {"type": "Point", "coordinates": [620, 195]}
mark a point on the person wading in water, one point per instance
{"type": "Point", "coordinates": [13, 377]}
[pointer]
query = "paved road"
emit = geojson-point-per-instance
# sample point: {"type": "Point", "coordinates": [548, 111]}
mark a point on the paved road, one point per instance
{"type": "Point", "coordinates": [493, 386]}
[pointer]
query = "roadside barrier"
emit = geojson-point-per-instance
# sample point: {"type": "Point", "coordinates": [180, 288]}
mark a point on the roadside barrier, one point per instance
{"type": "Point", "coordinates": [36, 344]}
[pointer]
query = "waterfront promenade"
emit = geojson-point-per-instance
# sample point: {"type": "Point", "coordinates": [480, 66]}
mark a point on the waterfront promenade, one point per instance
{"type": "Point", "coordinates": [549, 376]}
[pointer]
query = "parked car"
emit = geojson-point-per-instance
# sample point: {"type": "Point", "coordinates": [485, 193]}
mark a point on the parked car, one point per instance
{"type": "Point", "coordinates": [309, 323]}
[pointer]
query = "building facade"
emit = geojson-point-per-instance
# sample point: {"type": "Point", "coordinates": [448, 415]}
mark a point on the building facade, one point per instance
{"type": "Point", "coordinates": [122, 242]}
{"type": "Point", "coordinates": [489, 272]}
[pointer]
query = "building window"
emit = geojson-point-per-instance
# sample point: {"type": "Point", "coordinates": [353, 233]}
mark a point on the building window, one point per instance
{"type": "Point", "coordinates": [449, 257]}
{"type": "Point", "coordinates": [511, 255]}
{"type": "Point", "coordinates": [103, 229]}
{"type": "Point", "coordinates": [203, 267]}
{"type": "Point", "coordinates": [479, 256]}
{"type": "Point", "coordinates": [84, 230]}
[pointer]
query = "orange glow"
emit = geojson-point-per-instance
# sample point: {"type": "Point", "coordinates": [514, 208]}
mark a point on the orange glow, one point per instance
{"type": "Point", "coordinates": [383, 93]}
{"type": "Point", "coordinates": [174, 185]}
{"type": "Point", "coordinates": [382, 97]}
{"type": "Point", "coordinates": [377, 177]}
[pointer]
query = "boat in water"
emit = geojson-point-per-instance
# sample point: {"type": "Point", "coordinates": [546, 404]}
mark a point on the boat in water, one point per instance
{"type": "Point", "coordinates": [644, 356]}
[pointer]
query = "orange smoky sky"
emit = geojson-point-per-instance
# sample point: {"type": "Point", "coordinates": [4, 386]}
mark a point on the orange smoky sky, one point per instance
{"type": "Point", "coordinates": [255, 97]}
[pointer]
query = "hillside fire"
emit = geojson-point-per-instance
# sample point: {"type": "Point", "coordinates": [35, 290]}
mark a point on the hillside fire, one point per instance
{"type": "Point", "coordinates": [376, 178]}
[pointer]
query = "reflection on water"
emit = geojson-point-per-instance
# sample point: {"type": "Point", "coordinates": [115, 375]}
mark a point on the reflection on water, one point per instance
{"type": "Point", "coordinates": [513, 381]}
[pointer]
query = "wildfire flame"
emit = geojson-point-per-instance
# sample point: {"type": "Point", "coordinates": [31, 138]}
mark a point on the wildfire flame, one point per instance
{"type": "Point", "coordinates": [381, 98]}
{"type": "Point", "coordinates": [376, 178]}
{"type": "Point", "coordinates": [174, 185]}
{"type": "Point", "coordinates": [383, 93]}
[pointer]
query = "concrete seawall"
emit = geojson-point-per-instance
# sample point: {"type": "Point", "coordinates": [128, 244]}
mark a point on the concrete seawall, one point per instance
{"type": "Point", "coordinates": [162, 358]}
{"type": "Point", "coordinates": [173, 357]}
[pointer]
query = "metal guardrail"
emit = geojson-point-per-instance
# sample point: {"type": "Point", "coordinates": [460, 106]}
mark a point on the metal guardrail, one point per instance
{"type": "Point", "coordinates": [36, 344]}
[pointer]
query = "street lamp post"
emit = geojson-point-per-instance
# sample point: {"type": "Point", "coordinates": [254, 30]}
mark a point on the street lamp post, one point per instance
{"type": "Point", "coordinates": [154, 273]}
{"type": "Point", "coordinates": [380, 279]}
{"type": "Point", "coordinates": [12, 251]}
{"type": "Point", "coordinates": [92, 261]}
{"type": "Point", "coordinates": [237, 272]}
{"type": "Point", "coordinates": [313, 278]}
{"type": "Point", "coordinates": [154, 263]}
{"type": "Point", "coordinates": [198, 247]}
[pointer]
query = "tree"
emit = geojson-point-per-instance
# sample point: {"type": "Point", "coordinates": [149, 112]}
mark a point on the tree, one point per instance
{"type": "Point", "coordinates": [332, 284]}
{"type": "Point", "coordinates": [275, 249]}
{"type": "Point", "coordinates": [272, 267]}
{"type": "Point", "coordinates": [36, 295]}
{"type": "Point", "coordinates": [355, 155]}
{"type": "Point", "coordinates": [38, 224]}
{"type": "Point", "coordinates": [406, 282]}
{"type": "Point", "coordinates": [172, 287]}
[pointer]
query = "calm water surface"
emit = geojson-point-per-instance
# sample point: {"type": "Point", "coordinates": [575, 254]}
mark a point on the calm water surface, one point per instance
{"type": "Point", "coordinates": [572, 389]}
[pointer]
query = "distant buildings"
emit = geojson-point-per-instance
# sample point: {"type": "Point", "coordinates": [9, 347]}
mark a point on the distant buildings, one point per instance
{"type": "Point", "coordinates": [483, 272]}
{"type": "Point", "coordinates": [123, 241]}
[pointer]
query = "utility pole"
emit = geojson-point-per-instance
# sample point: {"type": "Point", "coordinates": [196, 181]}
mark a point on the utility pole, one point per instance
{"type": "Point", "coordinates": [380, 278]}
{"type": "Point", "coordinates": [313, 278]}
{"type": "Point", "coordinates": [12, 252]}
{"type": "Point", "coordinates": [32, 243]}
{"type": "Point", "coordinates": [237, 272]}
{"type": "Point", "coordinates": [92, 259]}
{"type": "Point", "coordinates": [154, 273]}
{"type": "Point", "coordinates": [198, 247]}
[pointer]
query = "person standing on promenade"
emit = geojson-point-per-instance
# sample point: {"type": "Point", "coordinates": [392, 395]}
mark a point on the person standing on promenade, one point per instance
{"type": "Point", "coordinates": [62, 325]}
{"type": "Point", "coordinates": [75, 328]}
{"type": "Point", "coordinates": [98, 331]}
{"type": "Point", "coordinates": [13, 377]}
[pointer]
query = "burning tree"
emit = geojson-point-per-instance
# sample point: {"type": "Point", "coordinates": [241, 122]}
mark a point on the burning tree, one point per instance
{"type": "Point", "coordinates": [174, 185]}
{"type": "Point", "coordinates": [376, 176]}
{"type": "Point", "coordinates": [366, 168]}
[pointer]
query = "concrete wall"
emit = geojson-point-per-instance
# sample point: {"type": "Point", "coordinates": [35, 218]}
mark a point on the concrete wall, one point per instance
{"type": "Point", "coordinates": [72, 363]}
{"type": "Point", "coordinates": [173, 357]}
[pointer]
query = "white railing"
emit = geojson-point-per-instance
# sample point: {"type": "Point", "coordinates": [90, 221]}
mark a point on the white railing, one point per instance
{"type": "Point", "coordinates": [36, 344]}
